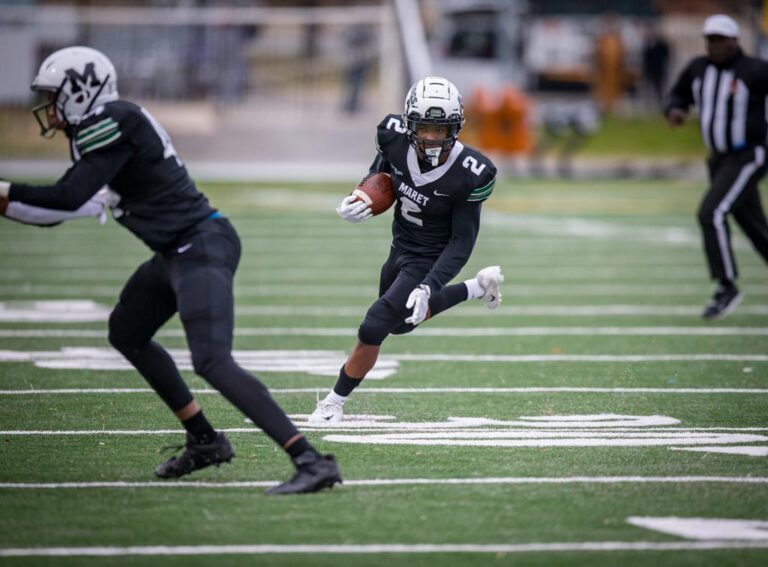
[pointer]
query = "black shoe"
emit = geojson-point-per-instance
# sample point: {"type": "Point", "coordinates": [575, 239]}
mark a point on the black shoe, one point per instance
{"type": "Point", "coordinates": [312, 474]}
{"type": "Point", "coordinates": [723, 302]}
{"type": "Point", "coordinates": [196, 456]}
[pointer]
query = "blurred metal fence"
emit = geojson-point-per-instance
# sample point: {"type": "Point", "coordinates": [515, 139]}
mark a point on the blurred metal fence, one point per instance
{"type": "Point", "coordinates": [205, 71]}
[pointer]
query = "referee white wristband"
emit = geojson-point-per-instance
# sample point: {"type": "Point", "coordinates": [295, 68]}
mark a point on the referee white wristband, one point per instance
{"type": "Point", "coordinates": [4, 188]}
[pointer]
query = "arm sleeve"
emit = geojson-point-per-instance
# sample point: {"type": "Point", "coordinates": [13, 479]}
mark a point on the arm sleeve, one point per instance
{"type": "Point", "coordinates": [28, 214]}
{"type": "Point", "coordinates": [681, 95]}
{"type": "Point", "coordinates": [763, 79]}
{"type": "Point", "coordinates": [379, 165]}
{"type": "Point", "coordinates": [80, 182]}
{"type": "Point", "coordinates": [466, 226]}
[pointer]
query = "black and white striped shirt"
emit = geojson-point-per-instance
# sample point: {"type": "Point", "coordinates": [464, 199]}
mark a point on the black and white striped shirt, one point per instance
{"type": "Point", "coordinates": [731, 100]}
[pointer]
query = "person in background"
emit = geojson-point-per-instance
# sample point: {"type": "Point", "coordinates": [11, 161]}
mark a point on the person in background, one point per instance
{"type": "Point", "coordinates": [729, 88]}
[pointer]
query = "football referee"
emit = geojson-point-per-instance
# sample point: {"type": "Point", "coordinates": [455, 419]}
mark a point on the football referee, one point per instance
{"type": "Point", "coordinates": [729, 89]}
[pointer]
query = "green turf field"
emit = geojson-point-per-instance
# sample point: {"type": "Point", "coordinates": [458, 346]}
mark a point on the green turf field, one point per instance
{"type": "Point", "coordinates": [569, 427]}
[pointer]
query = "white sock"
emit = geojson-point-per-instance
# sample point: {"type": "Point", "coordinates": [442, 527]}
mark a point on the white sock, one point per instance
{"type": "Point", "coordinates": [474, 290]}
{"type": "Point", "coordinates": [334, 398]}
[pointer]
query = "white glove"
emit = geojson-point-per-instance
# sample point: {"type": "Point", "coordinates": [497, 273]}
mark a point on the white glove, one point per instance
{"type": "Point", "coordinates": [352, 210]}
{"type": "Point", "coordinates": [419, 302]}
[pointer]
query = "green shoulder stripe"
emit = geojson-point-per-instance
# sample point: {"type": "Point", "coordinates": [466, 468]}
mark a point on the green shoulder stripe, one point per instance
{"type": "Point", "coordinates": [94, 131]}
{"type": "Point", "coordinates": [104, 139]}
{"type": "Point", "coordinates": [482, 193]}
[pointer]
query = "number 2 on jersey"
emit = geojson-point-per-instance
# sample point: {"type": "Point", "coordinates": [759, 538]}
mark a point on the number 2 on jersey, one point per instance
{"type": "Point", "coordinates": [407, 208]}
{"type": "Point", "coordinates": [472, 164]}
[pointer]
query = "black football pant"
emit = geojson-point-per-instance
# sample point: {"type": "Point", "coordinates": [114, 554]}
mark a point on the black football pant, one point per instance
{"type": "Point", "coordinates": [400, 275]}
{"type": "Point", "coordinates": [733, 190]}
{"type": "Point", "coordinates": [195, 278]}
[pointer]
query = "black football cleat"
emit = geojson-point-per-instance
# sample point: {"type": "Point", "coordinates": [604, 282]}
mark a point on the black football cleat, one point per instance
{"type": "Point", "coordinates": [312, 475]}
{"type": "Point", "coordinates": [722, 303]}
{"type": "Point", "coordinates": [196, 456]}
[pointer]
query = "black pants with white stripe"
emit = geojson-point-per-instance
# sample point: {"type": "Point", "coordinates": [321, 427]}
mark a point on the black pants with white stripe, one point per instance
{"type": "Point", "coordinates": [733, 190]}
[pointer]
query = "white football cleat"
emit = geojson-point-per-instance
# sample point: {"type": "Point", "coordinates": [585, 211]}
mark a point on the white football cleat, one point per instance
{"type": "Point", "coordinates": [490, 279]}
{"type": "Point", "coordinates": [327, 412]}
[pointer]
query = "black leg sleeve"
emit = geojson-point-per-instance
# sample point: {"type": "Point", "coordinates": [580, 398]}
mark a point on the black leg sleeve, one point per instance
{"type": "Point", "coordinates": [448, 297]}
{"type": "Point", "coordinates": [203, 279]}
{"type": "Point", "coordinates": [146, 303]}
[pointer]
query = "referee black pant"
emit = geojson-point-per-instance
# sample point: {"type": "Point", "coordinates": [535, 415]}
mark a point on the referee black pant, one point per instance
{"type": "Point", "coordinates": [733, 190]}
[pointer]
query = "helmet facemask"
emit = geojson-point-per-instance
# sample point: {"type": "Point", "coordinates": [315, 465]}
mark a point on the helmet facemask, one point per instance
{"type": "Point", "coordinates": [429, 149]}
{"type": "Point", "coordinates": [49, 113]}
{"type": "Point", "coordinates": [431, 103]}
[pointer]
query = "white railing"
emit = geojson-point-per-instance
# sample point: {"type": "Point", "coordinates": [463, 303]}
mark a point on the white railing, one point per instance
{"type": "Point", "coordinates": [206, 69]}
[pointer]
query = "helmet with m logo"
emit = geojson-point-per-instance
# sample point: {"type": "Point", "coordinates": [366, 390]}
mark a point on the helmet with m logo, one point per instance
{"type": "Point", "coordinates": [76, 80]}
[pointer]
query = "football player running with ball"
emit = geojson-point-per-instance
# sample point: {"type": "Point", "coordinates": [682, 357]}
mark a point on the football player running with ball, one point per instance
{"type": "Point", "coordinates": [439, 186]}
{"type": "Point", "coordinates": [118, 144]}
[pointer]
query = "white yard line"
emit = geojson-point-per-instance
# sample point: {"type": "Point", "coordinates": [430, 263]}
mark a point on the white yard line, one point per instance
{"type": "Point", "coordinates": [313, 290]}
{"type": "Point", "coordinates": [374, 427]}
{"type": "Point", "coordinates": [326, 362]}
{"type": "Point", "coordinates": [394, 548]}
{"type": "Point", "coordinates": [505, 310]}
{"type": "Point", "coordinates": [749, 450]}
{"type": "Point", "coordinates": [428, 331]}
{"type": "Point", "coordinates": [116, 276]}
{"type": "Point", "coordinates": [581, 357]}
{"type": "Point", "coordinates": [513, 480]}
{"type": "Point", "coordinates": [87, 310]}
{"type": "Point", "coordinates": [390, 391]}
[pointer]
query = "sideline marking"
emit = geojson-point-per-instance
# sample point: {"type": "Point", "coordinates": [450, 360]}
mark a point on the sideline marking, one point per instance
{"type": "Point", "coordinates": [379, 548]}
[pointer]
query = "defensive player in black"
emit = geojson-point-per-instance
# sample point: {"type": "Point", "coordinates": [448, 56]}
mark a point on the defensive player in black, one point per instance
{"type": "Point", "coordinates": [440, 186]}
{"type": "Point", "coordinates": [729, 88]}
{"type": "Point", "coordinates": [196, 252]}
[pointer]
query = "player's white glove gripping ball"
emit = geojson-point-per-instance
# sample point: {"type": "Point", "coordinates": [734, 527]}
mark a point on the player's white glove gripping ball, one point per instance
{"type": "Point", "coordinates": [419, 302]}
{"type": "Point", "coordinates": [353, 210]}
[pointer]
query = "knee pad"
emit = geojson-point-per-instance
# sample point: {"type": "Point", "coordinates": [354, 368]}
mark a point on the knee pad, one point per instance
{"type": "Point", "coordinates": [120, 335]}
{"type": "Point", "coordinates": [376, 325]}
{"type": "Point", "coordinates": [380, 320]}
{"type": "Point", "coordinates": [372, 332]}
{"type": "Point", "coordinates": [205, 360]}
{"type": "Point", "coordinates": [402, 329]}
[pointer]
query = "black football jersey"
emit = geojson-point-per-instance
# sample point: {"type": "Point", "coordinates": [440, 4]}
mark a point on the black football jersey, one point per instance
{"type": "Point", "coordinates": [429, 204]}
{"type": "Point", "coordinates": [121, 145]}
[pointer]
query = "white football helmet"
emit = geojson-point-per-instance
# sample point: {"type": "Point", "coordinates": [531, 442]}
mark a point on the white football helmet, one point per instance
{"type": "Point", "coordinates": [78, 80]}
{"type": "Point", "coordinates": [433, 100]}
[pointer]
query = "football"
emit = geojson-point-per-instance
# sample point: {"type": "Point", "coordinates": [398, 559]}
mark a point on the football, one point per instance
{"type": "Point", "coordinates": [376, 190]}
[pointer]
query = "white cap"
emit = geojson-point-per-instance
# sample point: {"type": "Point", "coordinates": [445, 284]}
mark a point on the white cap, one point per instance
{"type": "Point", "coordinates": [720, 24]}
